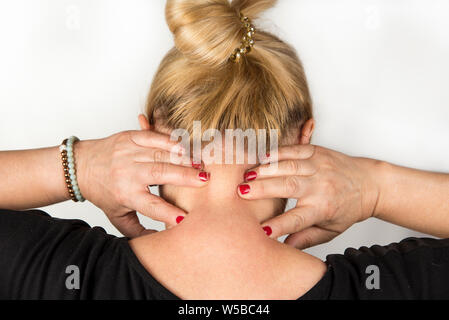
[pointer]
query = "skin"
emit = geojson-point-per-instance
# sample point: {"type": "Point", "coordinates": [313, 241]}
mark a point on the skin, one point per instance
{"type": "Point", "coordinates": [222, 235]}
{"type": "Point", "coordinates": [113, 174]}
{"type": "Point", "coordinates": [334, 191]}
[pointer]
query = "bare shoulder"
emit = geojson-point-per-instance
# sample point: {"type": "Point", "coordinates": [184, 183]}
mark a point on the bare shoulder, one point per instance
{"type": "Point", "coordinates": [271, 271]}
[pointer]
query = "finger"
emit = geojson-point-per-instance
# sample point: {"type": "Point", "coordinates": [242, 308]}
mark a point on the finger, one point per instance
{"type": "Point", "coordinates": [169, 174]}
{"type": "Point", "coordinates": [148, 231]}
{"type": "Point", "coordinates": [271, 188]}
{"type": "Point", "coordinates": [145, 155]}
{"type": "Point", "coordinates": [151, 139]}
{"type": "Point", "coordinates": [292, 221]}
{"type": "Point", "coordinates": [129, 225]}
{"type": "Point", "coordinates": [293, 152]}
{"type": "Point", "coordinates": [156, 208]}
{"type": "Point", "coordinates": [283, 168]}
{"type": "Point", "coordinates": [310, 237]}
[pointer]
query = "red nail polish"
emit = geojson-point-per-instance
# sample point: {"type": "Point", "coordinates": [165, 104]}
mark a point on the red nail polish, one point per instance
{"type": "Point", "coordinates": [250, 176]}
{"type": "Point", "coordinates": [179, 219]}
{"type": "Point", "coordinates": [196, 165]}
{"type": "Point", "coordinates": [244, 189]}
{"type": "Point", "coordinates": [268, 155]}
{"type": "Point", "coordinates": [268, 230]}
{"type": "Point", "coordinates": [204, 176]}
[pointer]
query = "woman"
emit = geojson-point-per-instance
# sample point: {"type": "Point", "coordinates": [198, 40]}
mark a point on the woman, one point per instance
{"type": "Point", "coordinates": [218, 249]}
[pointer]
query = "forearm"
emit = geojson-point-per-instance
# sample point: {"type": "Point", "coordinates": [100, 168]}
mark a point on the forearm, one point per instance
{"type": "Point", "coordinates": [413, 199]}
{"type": "Point", "coordinates": [31, 179]}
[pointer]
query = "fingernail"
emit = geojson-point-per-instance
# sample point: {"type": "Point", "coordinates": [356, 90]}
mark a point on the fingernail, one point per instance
{"type": "Point", "coordinates": [204, 176]}
{"type": "Point", "coordinates": [179, 219]}
{"type": "Point", "coordinates": [266, 160]}
{"type": "Point", "coordinates": [268, 231]}
{"type": "Point", "coordinates": [196, 165]}
{"type": "Point", "coordinates": [244, 188]}
{"type": "Point", "coordinates": [250, 176]}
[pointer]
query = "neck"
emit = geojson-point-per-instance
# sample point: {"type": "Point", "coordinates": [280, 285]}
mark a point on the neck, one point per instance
{"type": "Point", "coordinates": [230, 220]}
{"type": "Point", "coordinates": [220, 251]}
{"type": "Point", "coordinates": [218, 203]}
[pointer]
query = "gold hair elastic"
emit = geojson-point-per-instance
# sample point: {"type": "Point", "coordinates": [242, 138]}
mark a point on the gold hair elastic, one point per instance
{"type": "Point", "coordinates": [247, 40]}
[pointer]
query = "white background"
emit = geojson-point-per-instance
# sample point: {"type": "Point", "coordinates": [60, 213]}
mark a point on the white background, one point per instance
{"type": "Point", "coordinates": [378, 71]}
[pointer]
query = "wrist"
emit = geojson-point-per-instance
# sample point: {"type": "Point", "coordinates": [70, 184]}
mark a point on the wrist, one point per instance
{"type": "Point", "coordinates": [380, 173]}
{"type": "Point", "coordinates": [373, 181]}
{"type": "Point", "coordinates": [83, 155]}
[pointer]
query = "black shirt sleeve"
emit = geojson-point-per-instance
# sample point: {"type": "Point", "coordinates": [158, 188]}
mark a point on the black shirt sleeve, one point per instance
{"type": "Point", "coordinates": [36, 250]}
{"type": "Point", "coordinates": [412, 269]}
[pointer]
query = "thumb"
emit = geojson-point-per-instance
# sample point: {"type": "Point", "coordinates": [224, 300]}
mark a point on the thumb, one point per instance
{"type": "Point", "coordinates": [157, 208]}
{"type": "Point", "coordinates": [129, 225]}
{"type": "Point", "coordinates": [310, 237]}
{"type": "Point", "coordinates": [292, 221]}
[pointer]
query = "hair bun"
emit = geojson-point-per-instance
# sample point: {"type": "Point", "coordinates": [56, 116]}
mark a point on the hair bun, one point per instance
{"type": "Point", "coordinates": [208, 31]}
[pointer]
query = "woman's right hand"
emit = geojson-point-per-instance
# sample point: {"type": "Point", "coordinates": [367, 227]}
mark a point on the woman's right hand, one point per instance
{"type": "Point", "coordinates": [114, 174]}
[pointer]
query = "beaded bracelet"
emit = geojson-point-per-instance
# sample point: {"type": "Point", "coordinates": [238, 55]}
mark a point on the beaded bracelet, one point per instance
{"type": "Point", "coordinates": [68, 164]}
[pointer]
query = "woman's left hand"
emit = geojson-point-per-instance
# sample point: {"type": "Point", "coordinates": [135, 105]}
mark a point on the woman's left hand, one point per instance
{"type": "Point", "coordinates": [334, 191]}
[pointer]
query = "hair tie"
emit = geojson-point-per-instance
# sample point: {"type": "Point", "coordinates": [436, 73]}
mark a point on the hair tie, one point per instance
{"type": "Point", "coordinates": [247, 40]}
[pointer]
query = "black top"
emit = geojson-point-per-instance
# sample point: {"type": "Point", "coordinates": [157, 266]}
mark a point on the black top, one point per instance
{"type": "Point", "coordinates": [38, 252]}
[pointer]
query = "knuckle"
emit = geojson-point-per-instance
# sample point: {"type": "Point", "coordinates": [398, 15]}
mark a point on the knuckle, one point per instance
{"type": "Point", "coordinates": [293, 166]}
{"type": "Point", "coordinates": [306, 151]}
{"type": "Point", "coordinates": [291, 185]}
{"type": "Point", "coordinates": [150, 210]}
{"type": "Point", "coordinates": [314, 150]}
{"type": "Point", "coordinates": [158, 156]}
{"type": "Point", "coordinates": [120, 148]}
{"type": "Point", "coordinates": [116, 149]}
{"type": "Point", "coordinates": [298, 221]}
{"type": "Point", "coordinates": [328, 209]}
{"type": "Point", "coordinates": [123, 137]}
{"type": "Point", "coordinates": [317, 150]}
{"type": "Point", "coordinates": [307, 242]}
{"type": "Point", "coordinates": [154, 211]}
{"type": "Point", "coordinates": [126, 134]}
{"type": "Point", "coordinates": [157, 170]}
{"type": "Point", "coordinates": [328, 188]}
{"type": "Point", "coordinates": [327, 162]}
{"type": "Point", "coordinates": [152, 205]}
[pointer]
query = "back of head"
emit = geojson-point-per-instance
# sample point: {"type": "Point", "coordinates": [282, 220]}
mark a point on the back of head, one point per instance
{"type": "Point", "coordinates": [197, 81]}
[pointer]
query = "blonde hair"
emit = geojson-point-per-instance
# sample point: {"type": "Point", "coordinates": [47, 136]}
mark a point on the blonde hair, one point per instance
{"type": "Point", "coordinates": [196, 81]}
